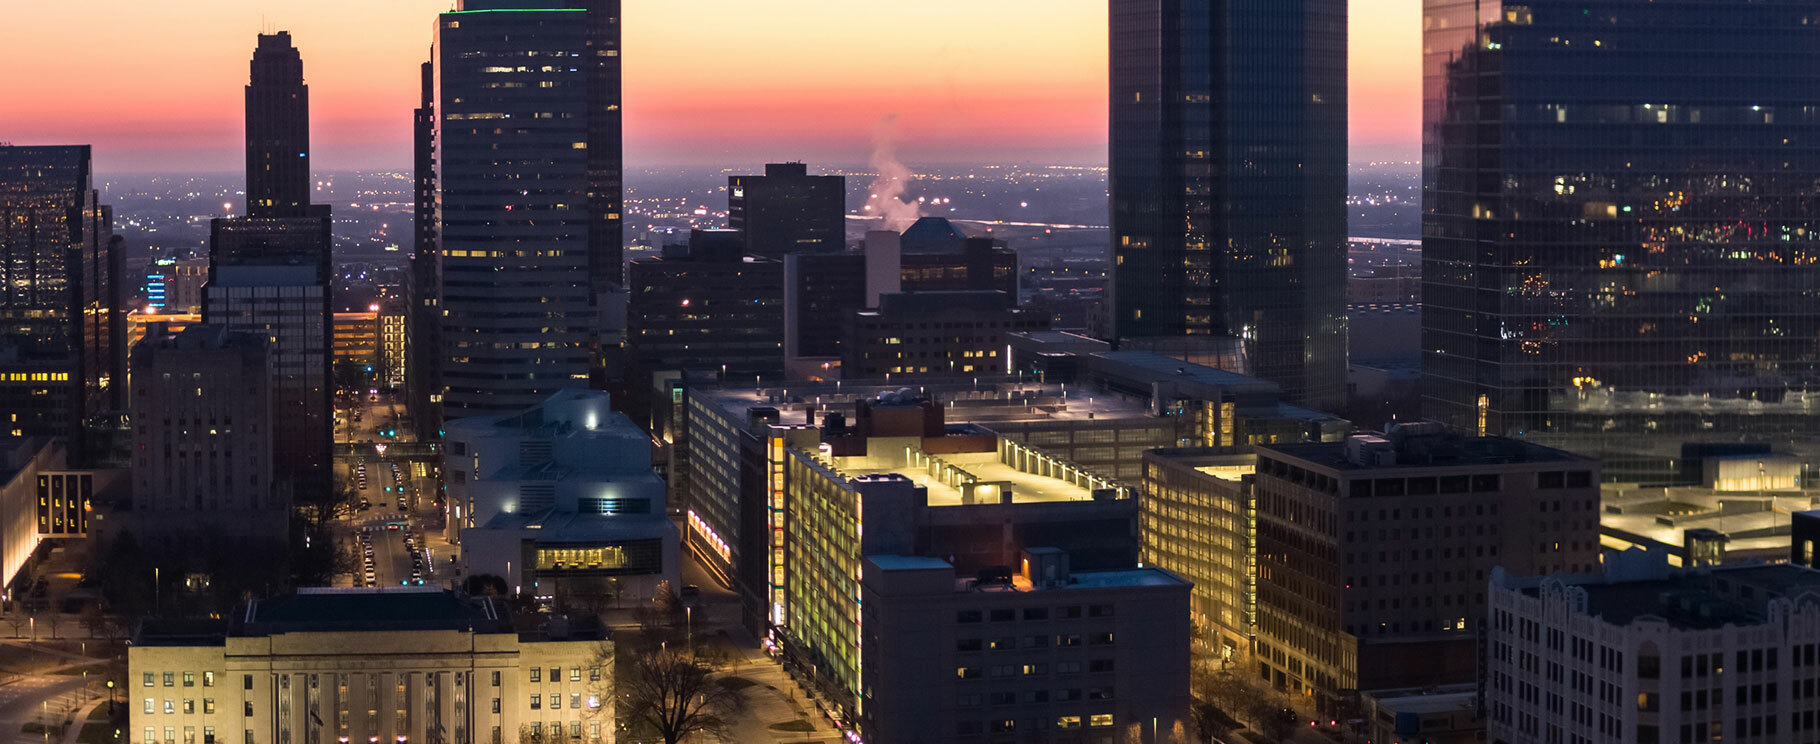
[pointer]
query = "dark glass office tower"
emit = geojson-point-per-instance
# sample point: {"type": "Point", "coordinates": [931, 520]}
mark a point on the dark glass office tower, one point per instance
{"type": "Point", "coordinates": [62, 347]}
{"type": "Point", "coordinates": [277, 131]}
{"type": "Point", "coordinates": [786, 210]}
{"type": "Point", "coordinates": [528, 199]}
{"type": "Point", "coordinates": [1228, 181]}
{"type": "Point", "coordinates": [271, 272]}
{"type": "Point", "coordinates": [423, 307]}
{"type": "Point", "coordinates": [1619, 238]}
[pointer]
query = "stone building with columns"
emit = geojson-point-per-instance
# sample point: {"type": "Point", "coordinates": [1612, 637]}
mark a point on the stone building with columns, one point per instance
{"type": "Point", "coordinates": [393, 665]}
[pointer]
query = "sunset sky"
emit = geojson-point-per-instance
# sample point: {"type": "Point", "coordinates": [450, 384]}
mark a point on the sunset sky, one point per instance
{"type": "Point", "coordinates": [158, 86]}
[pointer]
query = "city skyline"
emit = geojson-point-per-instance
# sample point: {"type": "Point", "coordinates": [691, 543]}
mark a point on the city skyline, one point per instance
{"type": "Point", "coordinates": [1033, 94]}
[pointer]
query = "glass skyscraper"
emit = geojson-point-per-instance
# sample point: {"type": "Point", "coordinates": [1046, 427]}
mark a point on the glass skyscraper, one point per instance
{"type": "Point", "coordinates": [526, 153]}
{"type": "Point", "coordinates": [62, 335]}
{"type": "Point", "coordinates": [1619, 221]}
{"type": "Point", "coordinates": [1228, 181]}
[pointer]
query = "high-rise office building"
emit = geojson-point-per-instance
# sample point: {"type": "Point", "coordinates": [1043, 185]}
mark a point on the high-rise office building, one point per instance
{"type": "Point", "coordinates": [202, 435]}
{"type": "Point", "coordinates": [526, 153]}
{"type": "Point", "coordinates": [1228, 181]}
{"type": "Point", "coordinates": [706, 309]}
{"type": "Point", "coordinates": [821, 290]}
{"type": "Point", "coordinates": [786, 211]}
{"type": "Point", "coordinates": [270, 272]}
{"type": "Point", "coordinates": [1617, 209]}
{"type": "Point", "coordinates": [423, 286]}
{"type": "Point", "coordinates": [277, 131]}
{"type": "Point", "coordinates": [62, 348]}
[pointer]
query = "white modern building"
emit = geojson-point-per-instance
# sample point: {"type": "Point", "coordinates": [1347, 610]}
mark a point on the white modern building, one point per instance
{"type": "Point", "coordinates": [560, 498]}
{"type": "Point", "coordinates": [1647, 654]}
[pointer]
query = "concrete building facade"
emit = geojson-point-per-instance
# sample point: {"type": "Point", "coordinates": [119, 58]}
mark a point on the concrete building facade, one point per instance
{"type": "Point", "coordinates": [203, 439]}
{"type": "Point", "coordinates": [787, 211]}
{"type": "Point", "coordinates": [988, 532]}
{"type": "Point", "coordinates": [1372, 553]}
{"type": "Point", "coordinates": [1639, 652]}
{"type": "Point", "coordinates": [327, 666]}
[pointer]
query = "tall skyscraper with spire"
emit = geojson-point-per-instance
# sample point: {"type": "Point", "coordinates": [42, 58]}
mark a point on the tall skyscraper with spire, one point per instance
{"type": "Point", "coordinates": [277, 131]}
{"type": "Point", "coordinates": [271, 271]}
{"type": "Point", "coordinates": [1228, 182]}
{"type": "Point", "coordinates": [528, 198]}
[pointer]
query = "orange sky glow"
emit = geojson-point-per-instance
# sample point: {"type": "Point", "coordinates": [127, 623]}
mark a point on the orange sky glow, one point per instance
{"type": "Point", "coordinates": [157, 86]}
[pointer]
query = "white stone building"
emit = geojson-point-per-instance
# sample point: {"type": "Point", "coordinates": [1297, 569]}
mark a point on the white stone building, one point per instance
{"type": "Point", "coordinates": [395, 665]}
{"type": "Point", "coordinates": [1644, 654]}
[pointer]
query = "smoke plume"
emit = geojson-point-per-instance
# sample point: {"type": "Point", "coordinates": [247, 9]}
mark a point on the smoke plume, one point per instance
{"type": "Point", "coordinates": [887, 194]}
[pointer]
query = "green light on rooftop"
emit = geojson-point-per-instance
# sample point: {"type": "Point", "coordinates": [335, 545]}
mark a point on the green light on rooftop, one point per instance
{"type": "Point", "coordinates": [518, 10]}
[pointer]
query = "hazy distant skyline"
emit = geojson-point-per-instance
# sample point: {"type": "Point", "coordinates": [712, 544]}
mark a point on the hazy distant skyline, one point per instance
{"type": "Point", "coordinates": [159, 86]}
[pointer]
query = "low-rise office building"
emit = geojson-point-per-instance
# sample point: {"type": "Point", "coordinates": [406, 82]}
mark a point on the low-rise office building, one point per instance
{"type": "Point", "coordinates": [950, 536]}
{"type": "Point", "coordinates": [729, 441]}
{"type": "Point", "coordinates": [1199, 521]}
{"type": "Point", "coordinates": [1641, 652]}
{"type": "Point", "coordinates": [367, 665]}
{"type": "Point", "coordinates": [203, 443]}
{"type": "Point", "coordinates": [935, 334]}
{"type": "Point", "coordinates": [1372, 554]}
{"type": "Point", "coordinates": [1043, 653]}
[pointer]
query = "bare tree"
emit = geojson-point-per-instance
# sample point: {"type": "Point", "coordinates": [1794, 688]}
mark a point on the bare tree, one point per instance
{"type": "Point", "coordinates": [675, 698]}
{"type": "Point", "coordinates": [20, 622]}
{"type": "Point", "coordinates": [54, 618]}
{"type": "Point", "coordinates": [94, 619]}
{"type": "Point", "coordinates": [1271, 716]}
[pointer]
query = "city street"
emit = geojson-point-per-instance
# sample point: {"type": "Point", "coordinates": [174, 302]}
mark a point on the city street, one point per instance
{"type": "Point", "coordinates": [394, 498]}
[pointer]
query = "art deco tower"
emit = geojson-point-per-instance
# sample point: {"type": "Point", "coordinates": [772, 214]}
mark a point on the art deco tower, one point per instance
{"type": "Point", "coordinates": [277, 131]}
{"type": "Point", "coordinates": [270, 272]}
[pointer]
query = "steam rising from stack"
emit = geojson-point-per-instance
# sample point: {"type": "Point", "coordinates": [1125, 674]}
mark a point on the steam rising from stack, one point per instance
{"type": "Point", "coordinates": [887, 194]}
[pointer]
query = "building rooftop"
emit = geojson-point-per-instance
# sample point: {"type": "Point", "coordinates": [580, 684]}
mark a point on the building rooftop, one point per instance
{"type": "Point", "coordinates": [1424, 449]}
{"type": "Point", "coordinates": [990, 400]}
{"type": "Point", "coordinates": [908, 563]}
{"type": "Point", "coordinates": [944, 301]}
{"type": "Point", "coordinates": [932, 235]}
{"type": "Point", "coordinates": [369, 609]}
{"type": "Point", "coordinates": [986, 466]}
{"type": "Point", "coordinates": [1755, 524]}
{"type": "Point", "coordinates": [552, 526]}
{"type": "Point", "coordinates": [1151, 366]}
{"type": "Point", "coordinates": [1701, 599]}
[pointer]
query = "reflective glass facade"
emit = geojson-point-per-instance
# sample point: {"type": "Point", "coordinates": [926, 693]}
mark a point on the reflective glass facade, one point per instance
{"type": "Point", "coordinates": [61, 335]}
{"type": "Point", "coordinates": [1620, 199]}
{"type": "Point", "coordinates": [1228, 181]}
